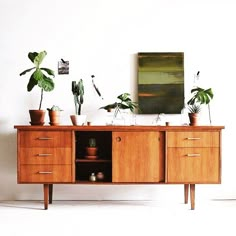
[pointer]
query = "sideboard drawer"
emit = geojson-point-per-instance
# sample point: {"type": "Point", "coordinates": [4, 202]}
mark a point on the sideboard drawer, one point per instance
{"type": "Point", "coordinates": [193, 139]}
{"type": "Point", "coordinates": [193, 165]}
{"type": "Point", "coordinates": [45, 139]}
{"type": "Point", "coordinates": [45, 156]}
{"type": "Point", "coordinates": [45, 174]}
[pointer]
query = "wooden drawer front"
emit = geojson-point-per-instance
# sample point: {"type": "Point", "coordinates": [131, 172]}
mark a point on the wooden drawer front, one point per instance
{"type": "Point", "coordinates": [193, 139]}
{"type": "Point", "coordinates": [193, 165]}
{"type": "Point", "coordinates": [45, 173]}
{"type": "Point", "coordinates": [45, 156]}
{"type": "Point", "coordinates": [45, 138]}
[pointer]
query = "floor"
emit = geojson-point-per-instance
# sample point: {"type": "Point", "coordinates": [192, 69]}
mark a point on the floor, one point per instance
{"type": "Point", "coordinates": [128, 218]}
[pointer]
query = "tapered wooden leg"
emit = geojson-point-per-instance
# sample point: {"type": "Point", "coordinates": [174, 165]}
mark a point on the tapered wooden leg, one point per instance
{"type": "Point", "coordinates": [192, 196]}
{"type": "Point", "coordinates": [50, 193]}
{"type": "Point", "coordinates": [46, 193]}
{"type": "Point", "coordinates": [186, 193]}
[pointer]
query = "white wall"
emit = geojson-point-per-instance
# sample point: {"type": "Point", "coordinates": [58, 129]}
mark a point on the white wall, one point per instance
{"type": "Point", "coordinates": [103, 37]}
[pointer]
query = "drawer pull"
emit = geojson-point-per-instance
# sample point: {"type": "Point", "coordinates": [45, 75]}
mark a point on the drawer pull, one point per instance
{"type": "Point", "coordinates": [193, 155]}
{"type": "Point", "coordinates": [44, 154]}
{"type": "Point", "coordinates": [45, 172]}
{"type": "Point", "coordinates": [193, 138]}
{"type": "Point", "coordinates": [44, 138]}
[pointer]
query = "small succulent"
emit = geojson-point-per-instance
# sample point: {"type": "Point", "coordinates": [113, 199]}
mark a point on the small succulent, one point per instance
{"type": "Point", "coordinates": [194, 108]}
{"type": "Point", "coordinates": [54, 108]}
{"type": "Point", "coordinates": [92, 142]}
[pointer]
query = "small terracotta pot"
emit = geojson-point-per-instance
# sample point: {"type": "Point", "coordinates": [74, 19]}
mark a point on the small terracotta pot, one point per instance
{"type": "Point", "coordinates": [194, 118]}
{"type": "Point", "coordinates": [54, 117]}
{"type": "Point", "coordinates": [91, 151]}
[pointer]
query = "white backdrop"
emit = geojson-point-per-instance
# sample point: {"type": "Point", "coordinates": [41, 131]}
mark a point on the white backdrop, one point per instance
{"type": "Point", "coordinates": [103, 37]}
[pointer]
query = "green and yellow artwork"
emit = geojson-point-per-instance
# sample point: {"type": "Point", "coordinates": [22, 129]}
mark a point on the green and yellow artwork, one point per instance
{"type": "Point", "coordinates": [161, 82]}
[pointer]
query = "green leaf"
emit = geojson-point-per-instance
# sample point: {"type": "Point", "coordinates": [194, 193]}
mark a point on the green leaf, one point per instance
{"type": "Point", "coordinates": [46, 83]}
{"type": "Point", "coordinates": [32, 56]}
{"type": "Point", "coordinates": [39, 58]}
{"type": "Point", "coordinates": [32, 82]}
{"type": "Point", "coordinates": [25, 71]}
{"type": "Point", "coordinates": [49, 71]}
{"type": "Point", "coordinates": [38, 75]}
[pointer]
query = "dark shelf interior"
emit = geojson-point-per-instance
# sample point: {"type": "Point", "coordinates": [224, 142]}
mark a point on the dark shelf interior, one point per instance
{"type": "Point", "coordinates": [85, 167]}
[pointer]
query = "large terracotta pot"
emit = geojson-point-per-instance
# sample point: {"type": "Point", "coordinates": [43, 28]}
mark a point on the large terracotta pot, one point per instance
{"type": "Point", "coordinates": [37, 117]}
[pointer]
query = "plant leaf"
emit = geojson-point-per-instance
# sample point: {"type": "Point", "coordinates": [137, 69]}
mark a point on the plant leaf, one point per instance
{"type": "Point", "coordinates": [25, 71]}
{"type": "Point", "coordinates": [39, 58]}
{"type": "Point", "coordinates": [49, 71]}
{"type": "Point", "coordinates": [32, 82]}
{"type": "Point", "coordinates": [32, 55]}
{"type": "Point", "coordinates": [46, 83]}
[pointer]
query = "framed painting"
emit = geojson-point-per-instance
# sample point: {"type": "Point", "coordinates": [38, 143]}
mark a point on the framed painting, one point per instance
{"type": "Point", "coordinates": [161, 82]}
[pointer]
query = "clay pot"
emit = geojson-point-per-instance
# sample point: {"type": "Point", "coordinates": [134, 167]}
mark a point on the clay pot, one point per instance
{"type": "Point", "coordinates": [37, 117]}
{"type": "Point", "coordinates": [91, 151]}
{"type": "Point", "coordinates": [54, 117]}
{"type": "Point", "coordinates": [193, 118]}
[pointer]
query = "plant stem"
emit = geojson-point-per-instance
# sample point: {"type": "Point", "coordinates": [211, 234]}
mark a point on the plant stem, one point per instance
{"type": "Point", "coordinates": [209, 112]}
{"type": "Point", "coordinates": [41, 99]}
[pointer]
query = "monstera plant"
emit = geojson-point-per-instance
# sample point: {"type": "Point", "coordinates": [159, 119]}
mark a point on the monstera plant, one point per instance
{"type": "Point", "coordinates": [41, 77]}
{"type": "Point", "coordinates": [199, 97]}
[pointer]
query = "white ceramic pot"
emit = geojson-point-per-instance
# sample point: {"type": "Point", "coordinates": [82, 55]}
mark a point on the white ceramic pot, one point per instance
{"type": "Point", "coordinates": [78, 119]}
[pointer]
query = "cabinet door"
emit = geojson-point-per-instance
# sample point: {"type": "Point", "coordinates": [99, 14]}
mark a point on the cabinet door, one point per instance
{"type": "Point", "coordinates": [137, 157]}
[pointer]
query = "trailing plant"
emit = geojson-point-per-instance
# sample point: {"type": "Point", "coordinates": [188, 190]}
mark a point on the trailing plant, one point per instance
{"type": "Point", "coordinates": [124, 102]}
{"type": "Point", "coordinates": [78, 92]}
{"type": "Point", "coordinates": [41, 76]}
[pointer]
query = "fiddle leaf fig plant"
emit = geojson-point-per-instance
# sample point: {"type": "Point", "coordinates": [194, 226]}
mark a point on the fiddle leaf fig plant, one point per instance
{"type": "Point", "coordinates": [40, 76]}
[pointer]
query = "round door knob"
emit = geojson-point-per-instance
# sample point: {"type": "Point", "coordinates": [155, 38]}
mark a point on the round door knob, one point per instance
{"type": "Point", "coordinates": [118, 139]}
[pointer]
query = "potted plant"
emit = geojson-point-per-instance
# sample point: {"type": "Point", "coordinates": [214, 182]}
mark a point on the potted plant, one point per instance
{"type": "Point", "coordinates": [78, 93]}
{"type": "Point", "coordinates": [54, 115]}
{"type": "Point", "coordinates": [42, 77]}
{"type": "Point", "coordinates": [124, 102]}
{"type": "Point", "coordinates": [91, 149]}
{"type": "Point", "coordinates": [200, 96]}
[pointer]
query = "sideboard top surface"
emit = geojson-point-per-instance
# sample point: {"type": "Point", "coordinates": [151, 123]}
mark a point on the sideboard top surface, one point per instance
{"type": "Point", "coordinates": [119, 128]}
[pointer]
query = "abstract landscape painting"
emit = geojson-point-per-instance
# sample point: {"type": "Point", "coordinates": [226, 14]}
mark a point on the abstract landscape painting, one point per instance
{"type": "Point", "coordinates": [161, 82]}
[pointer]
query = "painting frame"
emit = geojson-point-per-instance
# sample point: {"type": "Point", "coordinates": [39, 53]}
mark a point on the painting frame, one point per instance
{"type": "Point", "coordinates": [160, 82]}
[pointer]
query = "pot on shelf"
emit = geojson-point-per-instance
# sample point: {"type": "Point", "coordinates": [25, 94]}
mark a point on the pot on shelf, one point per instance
{"type": "Point", "coordinates": [78, 119]}
{"type": "Point", "coordinates": [37, 117]}
{"type": "Point", "coordinates": [193, 118]}
{"type": "Point", "coordinates": [54, 117]}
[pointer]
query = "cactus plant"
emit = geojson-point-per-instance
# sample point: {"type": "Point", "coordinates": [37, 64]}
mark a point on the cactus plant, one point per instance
{"type": "Point", "coordinates": [92, 142]}
{"type": "Point", "coordinates": [78, 92]}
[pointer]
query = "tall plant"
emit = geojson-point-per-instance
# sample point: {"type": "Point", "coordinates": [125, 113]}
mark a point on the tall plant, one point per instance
{"type": "Point", "coordinates": [78, 92]}
{"type": "Point", "coordinates": [41, 76]}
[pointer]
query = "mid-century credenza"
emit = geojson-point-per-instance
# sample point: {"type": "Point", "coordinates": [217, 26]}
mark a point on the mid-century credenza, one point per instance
{"type": "Point", "coordinates": [187, 155]}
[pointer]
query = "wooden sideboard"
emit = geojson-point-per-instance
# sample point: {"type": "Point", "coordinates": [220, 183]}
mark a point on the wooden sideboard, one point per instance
{"type": "Point", "coordinates": [185, 155]}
